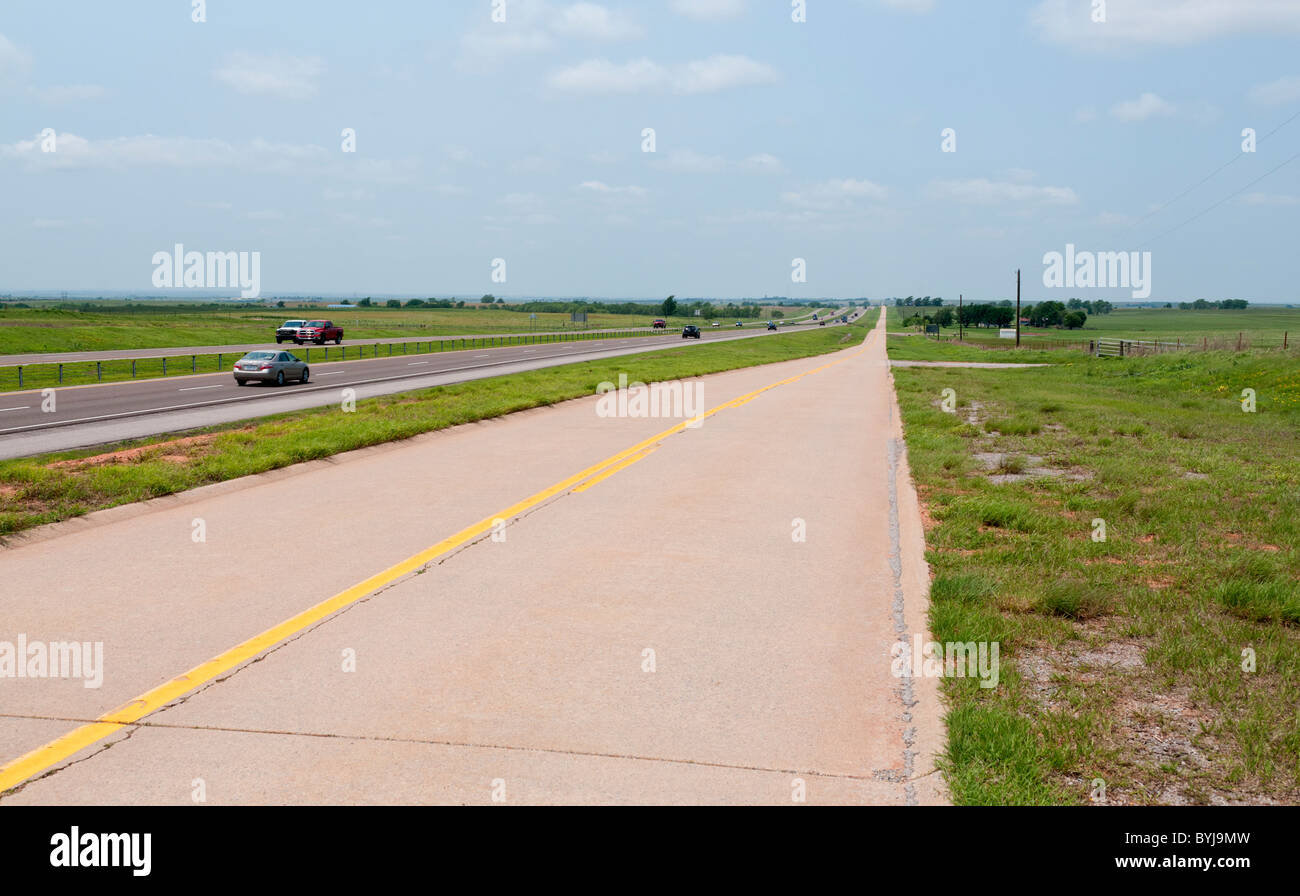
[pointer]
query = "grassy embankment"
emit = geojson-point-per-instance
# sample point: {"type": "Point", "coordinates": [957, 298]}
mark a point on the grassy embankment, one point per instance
{"type": "Point", "coordinates": [59, 486]}
{"type": "Point", "coordinates": [1124, 661]}
{"type": "Point", "coordinates": [115, 326]}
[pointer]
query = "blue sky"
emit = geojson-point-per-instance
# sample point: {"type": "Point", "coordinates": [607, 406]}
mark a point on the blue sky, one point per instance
{"type": "Point", "coordinates": [775, 140]}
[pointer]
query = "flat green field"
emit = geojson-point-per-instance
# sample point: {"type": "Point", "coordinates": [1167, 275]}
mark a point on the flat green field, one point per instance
{"type": "Point", "coordinates": [1259, 327]}
{"type": "Point", "coordinates": [117, 326]}
{"type": "Point", "coordinates": [1130, 535]}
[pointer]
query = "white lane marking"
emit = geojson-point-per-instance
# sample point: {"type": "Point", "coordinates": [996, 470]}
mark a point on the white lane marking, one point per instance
{"type": "Point", "coordinates": [483, 356]}
{"type": "Point", "coordinates": [23, 408]}
{"type": "Point", "coordinates": [416, 363]}
{"type": "Point", "coordinates": [333, 373]}
{"type": "Point", "coordinates": [198, 388]}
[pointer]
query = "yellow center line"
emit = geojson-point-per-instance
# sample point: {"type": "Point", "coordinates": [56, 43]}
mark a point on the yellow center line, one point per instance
{"type": "Point", "coordinates": [42, 758]}
{"type": "Point", "coordinates": [614, 469]}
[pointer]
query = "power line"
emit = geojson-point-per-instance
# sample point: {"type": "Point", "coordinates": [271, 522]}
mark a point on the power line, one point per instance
{"type": "Point", "coordinates": [1221, 201]}
{"type": "Point", "coordinates": [1213, 173]}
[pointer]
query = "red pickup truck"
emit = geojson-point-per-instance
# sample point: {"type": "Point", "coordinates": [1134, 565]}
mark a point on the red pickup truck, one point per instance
{"type": "Point", "coordinates": [319, 332]}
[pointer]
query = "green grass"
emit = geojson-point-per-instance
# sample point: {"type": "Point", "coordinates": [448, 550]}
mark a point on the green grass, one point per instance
{"type": "Point", "coordinates": [40, 376]}
{"type": "Point", "coordinates": [115, 326]}
{"type": "Point", "coordinates": [1260, 327]}
{"type": "Point", "coordinates": [54, 487]}
{"type": "Point", "coordinates": [1121, 659]}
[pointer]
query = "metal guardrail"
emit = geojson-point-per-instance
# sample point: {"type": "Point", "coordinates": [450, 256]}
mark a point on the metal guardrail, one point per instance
{"type": "Point", "coordinates": [85, 372]}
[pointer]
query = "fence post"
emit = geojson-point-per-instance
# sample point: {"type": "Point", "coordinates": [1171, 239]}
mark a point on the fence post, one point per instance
{"type": "Point", "coordinates": [194, 363]}
{"type": "Point", "coordinates": [60, 374]}
{"type": "Point", "coordinates": [219, 364]}
{"type": "Point", "coordinates": [99, 372]}
{"type": "Point", "coordinates": [133, 368]}
{"type": "Point", "coordinates": [20, 376]}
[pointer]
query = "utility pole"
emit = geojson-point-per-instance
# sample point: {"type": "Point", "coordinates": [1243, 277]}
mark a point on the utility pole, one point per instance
{"type": "Point", "coordinates": [1017, 307]}
{"type": "Point", "coordinates": [960, 332]}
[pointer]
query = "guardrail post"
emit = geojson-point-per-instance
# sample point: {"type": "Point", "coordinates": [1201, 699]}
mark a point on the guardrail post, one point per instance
{"type": "Point", "coordinates": [327, 353]}
{"type": "Point", "coordinates": [220, 365]}
{"type": "Point", "coordinates": [20, 376]}
{"type": "Point", "coordinates": [194, 363]}
{"type": "Point", "coordinates": [133, 368]}
{"type": "Point", "coordinates": [60, 374]}
{"type": "Point", "coordinates": [164, 366]}
{"type": "Point", "coordinates": [99, 372]}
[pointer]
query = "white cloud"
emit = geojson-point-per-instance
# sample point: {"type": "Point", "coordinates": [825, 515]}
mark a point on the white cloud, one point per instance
{"type": "Point", "coordinates": [604, 189]}
{"type": "Point", "coordinates": [603, 76]}
{"type": "Point", "coordinates": [256, 156]}
{"type": "Point", "coordinates": [1169, 22]}
{"type": "Point", "coordinates": [537, 26]}
{"type": "Point", "coordinates": [982, 191]}
{"type": "Point", "coordinates": [709, 10]}
{"type": "Point", "coordinates": [1276, 93]}
{"type": "Point", "coordinates": [287, 77]}
{"type": "Point", "coordinates": [763, 163]}
{"type": "Point", "coordinates": [14, 62]}
{"type": "Point", "coordinates": [1275, 199]}
{"type": "Point", "coordinates": [701, 76]}
{"type": "Point", "coordinates": [910, 5]}
{"type": "Point", "coordinates": [686, 161]}
{"type": "Point", "coordinates": [722, 73]}
{"type": "Point", "coordinates": [590, 21]}
{"type": "Point", "coordinates": [72, 93]}
{"type": "Point", "coordinates": [835, 194]}
{"type": "Point", "coordinates": [1148, 105]}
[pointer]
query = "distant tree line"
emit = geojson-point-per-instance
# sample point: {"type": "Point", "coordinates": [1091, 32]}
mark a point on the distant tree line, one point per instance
{"type": "Point", "coordinates": [1225, 305]}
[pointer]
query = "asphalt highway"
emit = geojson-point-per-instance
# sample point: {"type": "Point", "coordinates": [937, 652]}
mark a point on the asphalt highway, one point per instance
{"type": "Point", "coordinates": [101, 413]}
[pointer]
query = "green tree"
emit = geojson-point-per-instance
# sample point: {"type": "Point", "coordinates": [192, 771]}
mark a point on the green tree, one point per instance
{"type": "Point", "coordinates": [669, 306]}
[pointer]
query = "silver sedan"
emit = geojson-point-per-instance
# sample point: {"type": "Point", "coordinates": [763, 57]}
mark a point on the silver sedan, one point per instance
{"type": "Point", "coordinates": [271, 367]}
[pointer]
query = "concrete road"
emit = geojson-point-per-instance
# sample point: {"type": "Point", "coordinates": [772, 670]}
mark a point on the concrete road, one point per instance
{"type": "Point", "coordinates": [553, 607]}
{"type": "Point", "coordinates": [101, 413]}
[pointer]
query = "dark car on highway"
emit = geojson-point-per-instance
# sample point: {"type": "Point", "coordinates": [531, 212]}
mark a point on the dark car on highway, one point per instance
{"type": "Point", "coordinates": [288, 331]}
{"type": "Point", "coordinates": [771, 325]}
{"type": "Point", "coordinates": [271, 367]}
{"type": "Point", "coordinates": [691, 332]}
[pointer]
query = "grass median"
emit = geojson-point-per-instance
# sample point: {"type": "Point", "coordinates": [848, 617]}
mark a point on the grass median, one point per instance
{"type": "Point", "coordinates": [1130, 536]}
{"type": "Point", "coordinates": [59, 486]}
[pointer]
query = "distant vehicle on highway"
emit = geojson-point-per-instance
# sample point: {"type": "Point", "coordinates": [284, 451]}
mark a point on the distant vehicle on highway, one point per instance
{"type": "Point", "coordinates": [692, 332]}
{"type": "Point", "coordinates": [821, 323]}
{"type": "Point", "coordinates": [814, 317]}
{"type": "Point", "coordinates": [844, 318]}
{"type": "Point", "coordinates": [288, 330]}
{"type": "Point", "coordinates": [319, 332]}
{"type": "Point", "coordinates": [739, 324]}
{"type": "Point", "coordinates": [771, 325]}
{"type": "Point", "coordinates": [716, 324]}
{"type": "Point", "coordinates": [660, 325]}
{"type": "Point", "coordinates": [271, 367]}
